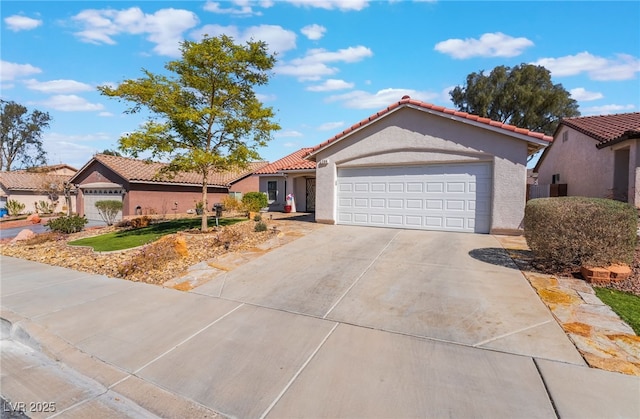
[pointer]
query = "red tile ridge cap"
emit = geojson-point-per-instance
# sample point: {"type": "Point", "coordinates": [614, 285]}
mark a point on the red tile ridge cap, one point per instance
{"type": "Point", "coordinates": [406, 100]}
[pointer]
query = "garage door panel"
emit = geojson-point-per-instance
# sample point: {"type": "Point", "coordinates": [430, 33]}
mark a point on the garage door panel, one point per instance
{"type": "Point", "coordinates": [396, 187]}
{"type": "Point", "coordinates": [456, 187]}
{"type": "Point", "coordinates": [377, 219]}
{"type": "Point", "coordinates": [435, 187]}
{"type": "Point", "coordinates": [435, 197]}
{"type": "Point", "coordinates": [378, 187]}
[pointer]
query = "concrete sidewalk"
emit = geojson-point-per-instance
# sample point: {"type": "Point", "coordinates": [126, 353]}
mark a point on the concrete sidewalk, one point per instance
{"type": "Point", "coordinates": [334, 342]}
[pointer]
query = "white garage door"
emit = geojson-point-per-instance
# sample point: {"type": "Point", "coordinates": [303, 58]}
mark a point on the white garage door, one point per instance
{"type": "Point", "coordinates": [451, 197]}
{"type": "Point", "coordinates": [91, 196]}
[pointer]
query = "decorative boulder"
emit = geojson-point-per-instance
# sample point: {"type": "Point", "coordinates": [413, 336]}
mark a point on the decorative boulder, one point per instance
{"type": "Point", "coordinates": [23, 235]}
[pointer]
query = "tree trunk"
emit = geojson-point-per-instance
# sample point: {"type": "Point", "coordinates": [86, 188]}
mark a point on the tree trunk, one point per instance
{"type": "Point", "coordinates": [204, 227]}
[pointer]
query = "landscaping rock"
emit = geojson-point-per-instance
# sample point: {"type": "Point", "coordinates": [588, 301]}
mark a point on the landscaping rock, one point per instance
{"type": "Point", "coordinates": [619, 272]}
{"type": "Point", "coordinates": [23, 235]}
{"type": "Point", "coordinates": [34, 218]}
{"type": "Point", "coordinates": [599, 276]}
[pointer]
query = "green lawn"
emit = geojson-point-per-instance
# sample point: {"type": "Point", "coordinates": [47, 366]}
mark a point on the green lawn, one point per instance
{"type": "Point", "coordinates": [126, 239]}
{"type": "Point", "coordinates": [625, 305]}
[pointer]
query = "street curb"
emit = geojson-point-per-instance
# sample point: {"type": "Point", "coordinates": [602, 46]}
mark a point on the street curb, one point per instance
{"type": "Point", "coordinates": [146, 395]}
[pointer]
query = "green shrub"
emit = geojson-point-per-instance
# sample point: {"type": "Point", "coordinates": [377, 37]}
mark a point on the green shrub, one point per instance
{"type": "Point", "coordinates": [570, 232]}
{"type": "Point", "coordinates": [260, 226]}
{"type": "Point", "coordinates": [44, 207]}
{"type": "Point", "coordinates": [67, 225]}
{"type": "Point", "coordinates": [109, 210]}
{"type": "Point", "coordinates": [255, 201]}
{"type": "Point", "coordinates": [14, 207]}
{"type": "Point", "coordinates": [257, 217]}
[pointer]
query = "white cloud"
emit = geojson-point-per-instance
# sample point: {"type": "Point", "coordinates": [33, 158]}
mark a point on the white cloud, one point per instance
{"type": "Point", "coordinates": [21, 23]}
{"type": "Point", "coordinates": [164, 28]}
{"type": "Point", "coordinates": [57, 86]}
{"type": "Point", "coordinates": [343, 5]}
{"type": "Point", "coordinates": [329, 85]}
{"type": "Point", "coordinates": [75, 150]}
{"type": "Point", "coordinates": [583, 95]}
{"type": "Point", "coordinates": [622, 67]}
{"type": "Point", "coordinates": [71, 103]}
{"type": "Point", "coordinates": [105, 114]}
{"type": "Point", "coordinates": [12, 71]}
{"type": "Point", "coordinates": [359, 99]}
{"type": "Point", "coordinates": [290, 144]}
{"type": "Point", "coordinates": [313, 65]}
{"type": "Point", "coordinates": [278, 39]}
{"type": "Point", "coordinates": [445, 96]}
{"type": "Point", "coordinates": [331, 126]}
{"type": "Point", "coordinates": [243, 8]}
{"type": "Point", "coordinates": [288, 134]}
{"type": "Point", "coordinates": [489, 45]}
{"type": "Point", "coordinates": [266, 98]}
{"type": "Point", "coordinates": [313, 32]}
{"type": "Point", "coordinates": [608, 109]}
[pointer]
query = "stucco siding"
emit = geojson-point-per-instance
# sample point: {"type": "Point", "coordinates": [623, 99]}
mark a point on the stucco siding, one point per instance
{"type": "Point", "coordinates": [29, 200]}
{"type": "Point", "coordinates": [587, 170]}
{"type": "Point", "coordinates": [412, 137]}
{"type": "Point", "coordinates": [248, 184]}
{"type": "Point", "coordinates": [278, 204]}
{"type": "Point", "coordinates": [162, 199]}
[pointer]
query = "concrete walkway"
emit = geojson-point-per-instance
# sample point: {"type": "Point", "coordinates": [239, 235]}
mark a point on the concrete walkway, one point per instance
{"type": "Point", "coordinates": [344, 322]}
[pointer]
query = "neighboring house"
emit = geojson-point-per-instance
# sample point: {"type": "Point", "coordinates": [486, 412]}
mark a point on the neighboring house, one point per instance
{"type": "Point", "coordinates": [420, 166]}
{"type": "Point", "coordinates": [290, 175]}
{"type": "Point", "coordinates": [137, 184]}
{"type": "Point", "coordinates": [595, 156]}
{"type": "Point", "coordinates": [44, 183]}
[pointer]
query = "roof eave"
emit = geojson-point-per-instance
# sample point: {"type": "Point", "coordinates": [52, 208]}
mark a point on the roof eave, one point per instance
{"type": "Point", "coordinates": [538, 143]}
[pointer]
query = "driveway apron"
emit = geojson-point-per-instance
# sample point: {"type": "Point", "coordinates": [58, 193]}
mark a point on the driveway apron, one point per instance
{"type": "Point", "coordinates": [420, 283]}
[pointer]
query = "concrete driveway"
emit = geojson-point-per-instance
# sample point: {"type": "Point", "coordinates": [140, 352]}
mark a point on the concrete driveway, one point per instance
{"type": "Point", "coordinates": [344, 322]}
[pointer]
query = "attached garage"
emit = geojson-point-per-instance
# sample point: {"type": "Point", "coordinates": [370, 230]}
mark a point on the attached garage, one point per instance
{"type": "Point", "coordinates": [448, 197]}
{"type": "Point", "coordinates": [95, 192]}
{"type": "Point", "coordinates": [415, 165]}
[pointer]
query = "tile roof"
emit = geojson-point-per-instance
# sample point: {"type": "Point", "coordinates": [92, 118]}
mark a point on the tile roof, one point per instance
{"type": "Point", "coordinates": [141, 171]}
{"type": "Point", "coordinates": [28, 181]}
{"type": "Point", "coordinates": [441, 110]}
{"type": "Point", "coordinates": [605, 128]}
{"type": "Point", "coordinates": [294, 161]}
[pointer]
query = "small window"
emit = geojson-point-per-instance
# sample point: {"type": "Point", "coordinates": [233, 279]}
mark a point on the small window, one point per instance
{"type": "Point", "coordinates": [565, 136]}
{"type": "Point", "coordinates": [272, 190]}
{"type": "Point", "coordinates": [555, 178]}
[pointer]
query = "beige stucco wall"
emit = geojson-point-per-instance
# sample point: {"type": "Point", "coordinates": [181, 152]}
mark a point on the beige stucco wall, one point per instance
{"type": "Point", "coordinates": [587, 170]}
{"type": "Point", "coordinates": [278, 204]}
{"type": "Point", "coordinates": [30, 198]}
{"type": "Point", "coordinates": [410, 136]}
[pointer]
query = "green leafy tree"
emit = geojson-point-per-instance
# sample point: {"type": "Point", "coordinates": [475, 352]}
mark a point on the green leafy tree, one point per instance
{"type": "Point", "coordinates": [205, 116]}
{"type": "Point", "coordinates": [255, 201]}
{"type": "Point", "coordinates": [21, 136]}
{"type": "Point", "coordinates": [109, 210]}
{"type": "Point", "coordinates": [523, 96]}
{"type": "Point", "coordinates": [110, 152]}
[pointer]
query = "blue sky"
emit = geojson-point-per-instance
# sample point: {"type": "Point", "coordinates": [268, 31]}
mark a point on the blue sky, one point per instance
{"type": "Point", "coordinates": [338, 61]}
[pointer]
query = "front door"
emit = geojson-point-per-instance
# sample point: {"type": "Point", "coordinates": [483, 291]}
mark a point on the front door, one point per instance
{"type": "Point", "coordinates": [311, 194]}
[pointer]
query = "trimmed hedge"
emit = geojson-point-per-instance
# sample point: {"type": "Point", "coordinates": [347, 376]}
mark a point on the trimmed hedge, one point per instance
{"type": "Point", "coordinates": [255, 201]}
{"type": "Point", "coordinates": [66, 224]}
{"type": "Point", "coordinates": [570, 232]}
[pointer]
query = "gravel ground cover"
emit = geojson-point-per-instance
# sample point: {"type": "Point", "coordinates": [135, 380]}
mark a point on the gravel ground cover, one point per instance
{"type": "Point", "coordinates": [200, 247]}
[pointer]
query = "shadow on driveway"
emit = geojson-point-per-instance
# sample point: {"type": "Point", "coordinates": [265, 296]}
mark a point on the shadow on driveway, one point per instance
{"type": "Point", "coordinates": [514, 259]}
